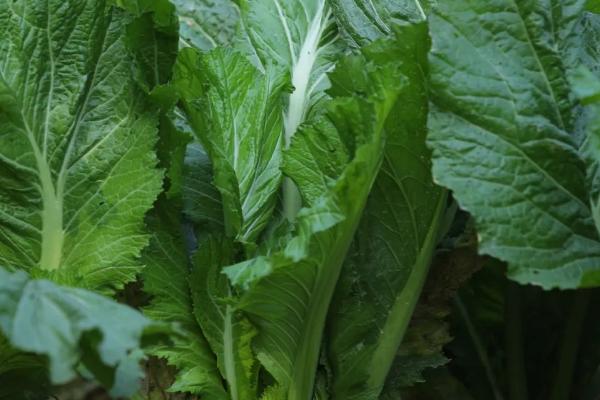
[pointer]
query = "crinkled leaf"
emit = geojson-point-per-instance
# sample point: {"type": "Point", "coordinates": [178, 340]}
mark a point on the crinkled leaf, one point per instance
{"type": "Point", "coordinates": [235, 112]}
{"type": "Point", "coordinates": [70, 325]}
{"type": "Point", "coordinates": [166, 279]}
{"type": "Point", "coordinates": [363, 21]}
{"type": "Point", "coordinates": [206, 24]}
{"type": "Point", "coordinates": [388, 263]}
{"type": "Point", "coordinates": [77, 169]}
{"type": "Point", "coordinates": [318, 159]}
{"type": "Point", "coordinates": [501, 130]}
{"type": "Point", "coordinates": [286, 294]}
{"type": "Point", "coordinates": [228, 332]}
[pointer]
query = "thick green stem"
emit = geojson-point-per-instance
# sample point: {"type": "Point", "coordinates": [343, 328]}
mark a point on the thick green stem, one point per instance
{"type": "Point", "coordinates": [52, 233]}
{"type": "Point", "coordinates": [513, 336]}
{"type": "Point", "coordinates": [561, 389]}
{"type": "Point", "coordinates": [52, 217]}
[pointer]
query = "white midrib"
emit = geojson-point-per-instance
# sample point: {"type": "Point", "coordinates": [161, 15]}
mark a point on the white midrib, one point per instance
{"type": "Point", "coordinates": [298, 101]}
{"type": "Point", "coordinates": [420, 9]}
{"type": "Point", "coordinates": [52, 213]}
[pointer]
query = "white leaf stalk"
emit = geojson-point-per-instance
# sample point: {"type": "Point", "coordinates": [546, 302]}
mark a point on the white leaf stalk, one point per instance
{"type": "Point", "coordinates": [302, 69]}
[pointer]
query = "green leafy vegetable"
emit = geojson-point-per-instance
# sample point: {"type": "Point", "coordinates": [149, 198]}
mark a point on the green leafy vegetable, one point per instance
{"type": "Point", "coordinates": [269, 171]}
{"type": "Point", "coordinates": [76, 139]}
{"type": "Point", "coordinates": [286, 293]}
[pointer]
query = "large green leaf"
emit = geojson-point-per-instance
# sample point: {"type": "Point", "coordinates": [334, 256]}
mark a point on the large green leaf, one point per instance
{"type": "Point", "coordinates": [501, 129]}
{"type": "Point", "coordinates": [228, 333]}
{"type": "Point", "coordinates": [287, 293]}
{"type": "Point", "coordinates": [70, 326]}
{"type": "Point", "coordinates": [387, 265]}
{"type": "Point", "coordinates": [77, 169]}
{"type": "Point", "coordinates": [236, 113]}
{"type": "Point", "coordinates": [166, 279]}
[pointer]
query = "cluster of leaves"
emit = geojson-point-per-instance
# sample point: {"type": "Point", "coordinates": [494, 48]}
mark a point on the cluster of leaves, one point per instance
{"type": "Point", "coordinates": [270, 182]}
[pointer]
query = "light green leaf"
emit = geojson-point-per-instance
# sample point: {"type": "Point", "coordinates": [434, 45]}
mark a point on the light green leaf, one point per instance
{"type": "Point", "coordinates": [77, 170]}
{"type": "Point", "coordinates": [363, 21]}
{"type": "Point", "coordinates": [388, 263]}
{"type": "Point", "coordinates": [166, 279]}
{"type": "Point", "coordinates": [287, 293]}
{"type": "Point", "coordinates": [501, 131]}
{"type": "Point", "coordinates": [71, 325]}
{"type": "Point", "coordinates": [206, 24]}
{"type": "Point", "coordinates": [228, 333]}
{"type": "Point", "coordinates": [235, 113]}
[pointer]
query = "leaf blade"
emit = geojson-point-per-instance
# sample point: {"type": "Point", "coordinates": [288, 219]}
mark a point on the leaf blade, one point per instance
{"type": "Point", "coordinates": [79, 172]}
{"type": "Point", "coordinates": [525, 122]}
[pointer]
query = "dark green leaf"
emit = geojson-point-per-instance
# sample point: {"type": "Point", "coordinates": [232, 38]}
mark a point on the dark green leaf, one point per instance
{"type": "Point", "coordinates": [501, 131]}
